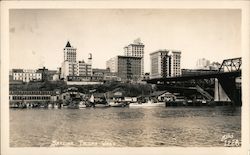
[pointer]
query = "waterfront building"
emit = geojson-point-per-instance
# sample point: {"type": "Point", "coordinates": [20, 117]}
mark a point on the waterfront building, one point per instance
{"type": "Point", "coordinates": [162, 96]}
{"type": "Point", "coordinates": [32, 96]}
{"type": "Point", "coordinates": [72, 67]}
{"type": "Point", "coordinates": [26, 75]}
{"type": "Point", "coordinates": [165, 63]}
{"type": "Point", "coordinates": [136, 49]}
{"type": "Point", "coordinates": [128, 68]}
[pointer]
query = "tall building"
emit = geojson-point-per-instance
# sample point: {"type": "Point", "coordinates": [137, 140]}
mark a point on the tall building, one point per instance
{"type": "Point", "coordinates": [175, 63]}
{"type": "Point", "coordinates": [128, 68]}
{"type": "Point", "coordinates": [136, 49]}
{"type": "Point", "coordinates": [71, 67]}
{"type": "Point", "coordinates": [165, 63]}
{"type": "Point", "coordinates": [69, 53]}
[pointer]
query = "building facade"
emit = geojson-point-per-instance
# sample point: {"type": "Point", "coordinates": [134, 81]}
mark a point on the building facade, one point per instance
{"type": "Point", "coordinates": [32, 96]}
{"type": "Point", "coordinates": [26, 75]}
{"type": "Point", "coordinates": [136, 49]}
{"type": "Point", "coordinates": [47, 75]}
{"type": "Point", "coordinates": [128, 68]}
{"type": "Point", "coordinates": [165, 63]}
{"type": "Point", "coordinates": [202, 63]}
{"type": "Point", "coordinates": [175, 63]}
{"type": "Point", "coordinates": [71, 67]}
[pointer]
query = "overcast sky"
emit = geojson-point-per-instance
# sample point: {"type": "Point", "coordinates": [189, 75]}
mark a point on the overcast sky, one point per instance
{"type": "Point", "coordinates": [37, 37]}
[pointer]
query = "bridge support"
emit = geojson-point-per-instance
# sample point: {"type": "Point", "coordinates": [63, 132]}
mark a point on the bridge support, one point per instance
{"type": "Point", "coordinates": [219, 93]}
{"type": "Point", "coordinates": [227, 90]}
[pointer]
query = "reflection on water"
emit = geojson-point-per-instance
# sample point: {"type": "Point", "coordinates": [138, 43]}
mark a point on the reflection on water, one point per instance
{"type": "Point", "coordinates": [202, 126]}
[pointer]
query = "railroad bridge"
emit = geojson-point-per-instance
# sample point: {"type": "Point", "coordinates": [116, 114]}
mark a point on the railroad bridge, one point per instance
{"type": "Point", "coordinates": [224, 78]}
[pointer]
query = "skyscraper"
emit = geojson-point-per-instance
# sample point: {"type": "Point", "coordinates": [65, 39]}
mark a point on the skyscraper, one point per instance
{"type": "Point", "coordinates": [69, 53]}
{"type": "Point", "coordinates": [71, 67]}
{"type": "Point", "coordinates": [128, 68]}
{"type": "Point", "coordinates": [136, 49]}
{"type": "Point", "coordinates": [165, 63]}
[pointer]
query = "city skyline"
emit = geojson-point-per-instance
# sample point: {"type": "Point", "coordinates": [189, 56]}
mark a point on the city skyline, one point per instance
{"type": "Point", "coordinates": [41, 35]}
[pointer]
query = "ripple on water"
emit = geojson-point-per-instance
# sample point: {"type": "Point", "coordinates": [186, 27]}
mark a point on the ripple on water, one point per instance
{"type": "Point", "coordinates": [121, 127]}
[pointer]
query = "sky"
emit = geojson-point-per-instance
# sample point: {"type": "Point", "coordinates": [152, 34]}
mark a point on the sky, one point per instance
{"type": "Point", "coordinates": [38, 36]}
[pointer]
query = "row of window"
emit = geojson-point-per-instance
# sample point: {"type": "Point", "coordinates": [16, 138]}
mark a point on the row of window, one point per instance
{"type": "Point", "coordinates": [27, 74]}
{"type": "Point", "coordinates": [31, 98]}
{"type": "Point", "coordinates": [32, 92]}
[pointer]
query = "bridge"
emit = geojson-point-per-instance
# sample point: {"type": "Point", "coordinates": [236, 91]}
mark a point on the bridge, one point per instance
{"type": "Point", "coordinates": [225, 77]}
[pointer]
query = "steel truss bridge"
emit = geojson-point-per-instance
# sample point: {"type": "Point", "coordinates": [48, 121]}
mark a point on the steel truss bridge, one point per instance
{"type": "Point", "coordinates": [229, 70]}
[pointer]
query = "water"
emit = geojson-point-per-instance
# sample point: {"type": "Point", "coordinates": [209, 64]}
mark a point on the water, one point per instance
{"type": "Point", "coordinates": [120, 127]}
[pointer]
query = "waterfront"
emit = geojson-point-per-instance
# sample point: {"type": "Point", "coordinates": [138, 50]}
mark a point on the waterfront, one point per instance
{"type": "Point", "coordinates": [121, 127]}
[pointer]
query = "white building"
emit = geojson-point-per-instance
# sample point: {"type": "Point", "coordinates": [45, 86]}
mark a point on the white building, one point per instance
{"type": "Point", "coordinates": [72, 67]}
{"type": "Point", "coordinates": [207, 65]}
{"type": "Point", "coordinates": [165, 63]}
{"type": "Point", "coordinates": [112, 64]}
{"type": "Point", "coordinates": [136, 49]}
{"type": "Point", "coordinates": [202, 63]}
{"type": "Point", "coordinates": [26, 75]}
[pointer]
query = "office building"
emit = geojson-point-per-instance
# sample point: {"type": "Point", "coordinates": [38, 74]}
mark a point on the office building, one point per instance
{"type": "Point", "coordinates": [165, 63]}
{"type": "Point", "coordinates": [136, 49]}
{"type": "Point", "coordinates": [71, 67]}
{"type": "Point", "coordinates": [128, 68]}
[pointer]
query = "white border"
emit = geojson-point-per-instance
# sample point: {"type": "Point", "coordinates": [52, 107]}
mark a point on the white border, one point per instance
{"type": "Point", "coordinates": [243, 5]}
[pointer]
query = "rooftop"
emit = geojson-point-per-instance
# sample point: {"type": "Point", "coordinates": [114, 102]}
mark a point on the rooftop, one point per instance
{"type": "Point", "coordinates": [68, 44]}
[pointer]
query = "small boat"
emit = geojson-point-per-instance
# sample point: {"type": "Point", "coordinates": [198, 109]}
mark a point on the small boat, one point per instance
{"type": "Point", "coordinates": [55, 106]}
{"type": "Point", "coordinates": [117, 104]}
{"type": "Point", "coordinates": [50, 106]}
{"type": "Point", "coordinates": [148, 104]}
{"type": "Point", "coordinates": [101, 105]}
{"type": "Point", "coordinates": [64, 106]}
{"type": "Point", "coordinates": [82, 105]}
{"type": "Point", "coordinates": [29, 105]}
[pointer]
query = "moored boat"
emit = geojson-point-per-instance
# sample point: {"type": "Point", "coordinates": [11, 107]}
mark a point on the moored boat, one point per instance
{"type": "Point", "coordinates": [55, 106]}
{"type": "Point", "coordinates": [50, 106]}
{"type": "Point", "coordinates": [116, 104]}
{"type": "Point", "coordinates": [82, 105]}
{"type": "Point", "coordinates": [101, 105]}
{"type": "Point", "coordinates": [148, 104]}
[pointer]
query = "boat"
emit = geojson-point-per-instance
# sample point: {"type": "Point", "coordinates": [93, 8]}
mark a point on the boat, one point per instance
{"type": "Point", "coordinates": [55, 106]}
{"type": "Point", "coordinates": [98, 105]}
{"type": "Point", "coordinates": [14, 105]}
{"type": "Point", "coordinates": [82, 105]}
{"type": "Point", "coordinates": [29, 105]}
{"type": "Point", "coordinates": [116, 104]}
{"type": "Point", "coordinates": [148, 104]}
{"type": "Point", "coordinates": [91, 101]}
{"type": "Point", "coordinates": [50, 106]}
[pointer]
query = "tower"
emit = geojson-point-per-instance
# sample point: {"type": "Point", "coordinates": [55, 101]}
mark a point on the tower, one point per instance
{"type": "Point", "coordinates": [69, 53]}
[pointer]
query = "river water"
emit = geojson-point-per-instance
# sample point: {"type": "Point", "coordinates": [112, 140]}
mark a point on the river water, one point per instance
{"type": "Point", "coordinates": [120, 127]}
